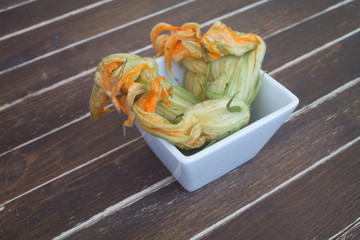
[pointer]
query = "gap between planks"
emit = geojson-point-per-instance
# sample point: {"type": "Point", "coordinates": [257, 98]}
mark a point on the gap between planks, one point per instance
{"type": "Point", "coordinates": [86, 72]}
{"type": "Point", "coordinates": [292, 116]}
{"type": "Point", "coordinates": [2, 206]}
{"type": "Point", "coordinates": [92, 70]}
{"type": "Point", "coordinates": [333, 7]}
{"type": "Point", "coordinates": [97, 36]}
{"type": "Point", "coordinates": [44, 23]}
{"type": "Point", "coordinates": [295, 114]}
{"type": "Point", "coordinates": [346, 229]}
{"type": "Point", "coordinates": [136, 197]}
{"type": "Point", "coordinates": [89, 71]}
{"type": "Point", "coordinates": [288, 64]}
{"type": "Point", "coordinates": [303, 110]}
{"type": "Point", "coordinates": [276, 189]}
{"type": "Point", "coordinates": [116, 207]}
{"type": "Point", "coordinates": [16, 5]}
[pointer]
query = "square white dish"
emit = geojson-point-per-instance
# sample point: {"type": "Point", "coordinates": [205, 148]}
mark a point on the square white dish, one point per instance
{"type": "Point", "coordinates": [273, 104]}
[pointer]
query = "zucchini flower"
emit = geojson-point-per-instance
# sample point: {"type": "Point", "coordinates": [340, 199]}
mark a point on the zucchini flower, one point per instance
{"type": "Point", "coordinates": [220, 41]}
{"type": "Point", "coordinates": [222, 66]}
{"type": "Point", "coordinates": [207, 121]}
{"type": "Point", "coordinates": [235, 65]}
{"type": "Point", "coordinates": [182, 44]}
{"type": "Point", "coordinates": [112, 77]}
{"type": "Point", "coordinates": [224, 61]}
{"type": "Point", "coordinates": [162, 108]}
{"type": "Point", "coordinates": [121, 78]}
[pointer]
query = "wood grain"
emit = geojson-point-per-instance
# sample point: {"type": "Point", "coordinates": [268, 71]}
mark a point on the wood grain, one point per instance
{"type": "Point", "coordinates": [18, 129]}
{"type": "Point", "coordinates": [352, 233]}
{"type": "Point", "coordinates": [45, 72]}
{"type": "Point", "coordinates": [83, 25]}
{"type": "Point", "coordinates": [173, 213]}
{"type": "Point", "coordinates": [338, 23]}
{"type": "Point", "coordinates": [110, 179]}
{"type": "Point", "coordinates": [72, 168]}
{"type": "Point", "coordinates": [22, 170]}
{"type": "Point", "coordinates": [323, 200]}
{"type": "Point", "coordinates": [336, 60]}
{"type": "Point", "coordinates": [4, 4]}
{"type": "Point", "coordinates": [38, 162]}
{"type": "Point", "coordinates": [36, 12]}
{"type": "Point", "coordinates": [323, 129]}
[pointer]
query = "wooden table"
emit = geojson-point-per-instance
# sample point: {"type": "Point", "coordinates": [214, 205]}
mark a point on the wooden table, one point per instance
{"type": "Point", "coordinates": [65, 175]}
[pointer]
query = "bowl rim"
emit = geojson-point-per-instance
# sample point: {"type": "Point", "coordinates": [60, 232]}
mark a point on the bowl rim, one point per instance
{"type": "Point", "coordinates": [188, 159]}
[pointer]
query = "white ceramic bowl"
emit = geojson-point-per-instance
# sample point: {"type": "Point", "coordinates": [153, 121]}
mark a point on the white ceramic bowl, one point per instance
{"type": "Point", "coordinates": [273, 104]}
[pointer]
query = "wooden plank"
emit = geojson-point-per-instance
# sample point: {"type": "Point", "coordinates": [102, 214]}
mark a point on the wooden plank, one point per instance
{"type": "Point", "coordinates": [21, 121]}
{"type": "Point", "coordinates": [313, 207]}
{"type": "Point", "coordinates": [86, 25]}
{"type": "Point", "coordinates": [33, 13]}
{"type": "Point", "coordinates": [311, 136]}
{"type": "Point", "coordinates": [58, 107]}
{"type": "Point", "coordinates": [352, 233]}
{"type": "Point", "coordinates": [40, 41]}
{"type": "Point", "coordinates": [48, 71]}
{"type": "Point", "coordinates": [47, 158]}
{"type": "Point", "coordinates": [26, 109]}
{"type": "Point", "coordinates": [325, 27]}
{"type": "Point", "coordinates": [314, 75]}
{"type": "Point", "coordinates": [4, 4]}
{"type": "Point", "coordinates": [62, 143]}
{"type": "Point", "coordinates": [276, 15]}
{"type": "Point", "coordinates": [171, 212]}
{"type": "Point", "coordinates": [47, 203]}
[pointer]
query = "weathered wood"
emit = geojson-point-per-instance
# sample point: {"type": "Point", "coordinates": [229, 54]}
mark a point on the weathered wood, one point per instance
{"type": "Point", "coordinates": [93, 22]}
{"type": "Point", "coordinates": [173, 213]}
{"type": "Point", "coordinates": [35, 12]}
{"type": "Point", "coordinates": [84, 25]}
{"type": "Point", "coordinates": [336, 60]}
{"type": "Point", "coordinates": [19, 130]}
{"type": "Point", "coordinates": [45, 72]}
{"type": "Point", "coordinates": [4, 4]}
{"type": "Point", "coordinates": [325, 27]}
{"type": "Point", "coordinates": [75, 172]}
{"type": "Point", "coordinates": [313, 207]}
{"type": "Point", "coordinates": [312, 136]}
{"type": "Point", "coordinates": [352, 233]}
{"type": "Point", "coordinates": [40, 114]}
{"type": "Point", "coordinates": [61, 144]}
{"type": "Point", "coordinates": [47, 158]}
{"type": "Point", "coordinates": [62, 204]}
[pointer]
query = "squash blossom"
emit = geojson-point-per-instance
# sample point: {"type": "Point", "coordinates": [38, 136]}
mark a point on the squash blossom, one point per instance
{"type": "Point", "coordinates": [236, 59]}
{"type": "Point", "coordinates": [222, 79]}
{"type": "Point", "coordinates": [183, 44]}
{"type": "Point", "coordinates": [204, 122]}
{"type": "Point", "coordinates": [222, 63]}
{"type": "Point", "coordinates": [123, 78]}
{"type": "Point", "coordinates": [162, 108]}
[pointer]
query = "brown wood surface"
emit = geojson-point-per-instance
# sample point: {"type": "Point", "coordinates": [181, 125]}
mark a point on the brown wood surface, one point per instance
{"type": "Point", "coordinates": [59, 169]}
{"type": "Point", "coordinates": [190, 211]}
{"type": "Point", "coordinates": [317, 205]}
{"type": "Point", "coordinates": [21, 18]}
{"type": "Point", "coordinates": [296, 137]}
{"type": "Point", "coordinates": [83, 25]}
{"type": "Point", "coordinates": [19, 130]}
{"type": "Point", "coordinates": [353, 232]}
{"type": "Point", "coordinates": [5, 4]}
{"type": "Point", "coordinates": [79, 58]}
{"type": "Point", "coordinates": [113, 133]}
{"type": "Point", "coordinates": [43, 73]}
